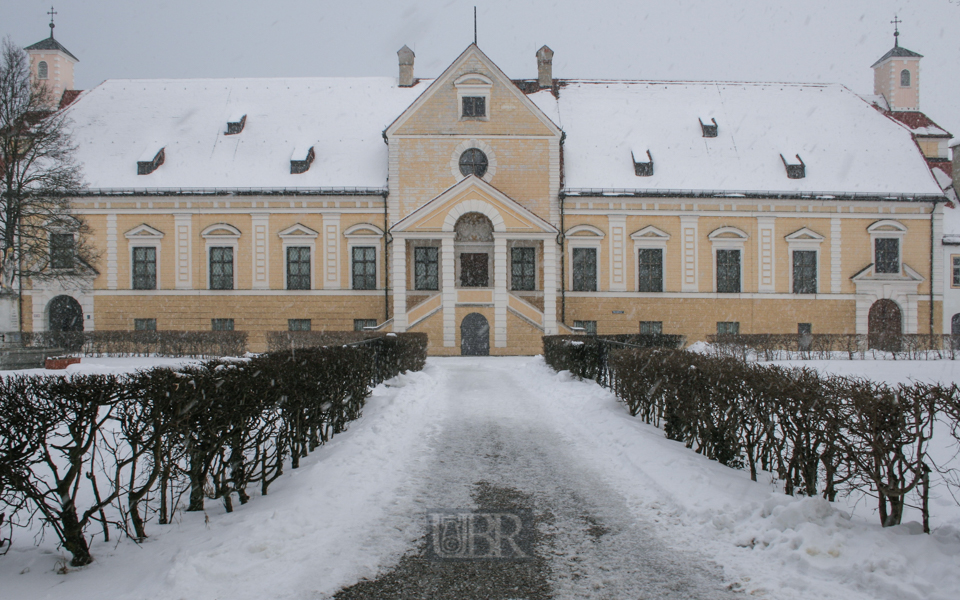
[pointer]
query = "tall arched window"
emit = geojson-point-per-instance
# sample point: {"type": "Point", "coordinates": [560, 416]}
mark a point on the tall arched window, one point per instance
{"type": "Point", "coordinates": [42, 69]}
{"type": "Point", "coordinates": [905, 78]}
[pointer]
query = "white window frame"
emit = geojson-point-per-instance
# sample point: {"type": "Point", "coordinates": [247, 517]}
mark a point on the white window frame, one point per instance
{"type": "Point", "coordinates": [886, 229]}
{"type": "Point", "coordinates": [650, 237]}
{"type": "Point", "coordinates": [805, 239]}
{"type": "Point", "coordinates": [474, 85]}
{"type": "Point", "coordinates": [222, 235]}
{"type": "Point", "coordinates": [593, 239]}
{"type": "Point", "coordinates": [537, 264]}
{"type": "Point", "coordinates": [720, 240]}
{"type": "Point", "coordinates": [299, 235]}
{"type": "Point", "coordinates": [364, 235]}
{"type": "Point", "coordinates": [143, 236]}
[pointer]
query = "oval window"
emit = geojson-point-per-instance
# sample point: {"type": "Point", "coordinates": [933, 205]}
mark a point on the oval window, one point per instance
{"type": "Point", "coordinates": [473, 162]}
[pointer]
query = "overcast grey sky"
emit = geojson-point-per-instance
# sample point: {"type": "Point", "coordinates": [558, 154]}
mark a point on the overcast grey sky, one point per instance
{"type": "Point", "coordinates": [757, 40]}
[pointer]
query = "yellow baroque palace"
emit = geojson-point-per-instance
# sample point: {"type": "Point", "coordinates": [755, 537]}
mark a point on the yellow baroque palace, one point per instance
{"type": "Point", "coordinates": [488, 212]}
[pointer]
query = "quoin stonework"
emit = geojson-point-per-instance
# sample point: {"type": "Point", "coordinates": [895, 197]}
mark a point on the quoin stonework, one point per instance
{"type": "Point", "coordinates": [488, 212]}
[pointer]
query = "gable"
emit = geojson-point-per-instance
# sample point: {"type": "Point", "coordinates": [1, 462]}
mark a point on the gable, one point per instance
{"type": "Point", "coordinates": [438, 110]}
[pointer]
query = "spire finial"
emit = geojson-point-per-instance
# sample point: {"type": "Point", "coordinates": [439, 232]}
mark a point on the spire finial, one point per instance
{"type": "Point", "coordinates": [51, 13]}
{"type": "Point", "coordinates": [474, 25]}
{"type": "Point", "coordinates": [896, 31]}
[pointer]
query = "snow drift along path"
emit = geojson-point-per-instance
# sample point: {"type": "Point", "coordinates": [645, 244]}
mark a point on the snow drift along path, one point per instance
{"type": "Point", "coordinates": [631, 514]}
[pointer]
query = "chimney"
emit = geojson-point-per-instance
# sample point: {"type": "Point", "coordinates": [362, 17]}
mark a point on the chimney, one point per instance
{"type": "Point", "coordinates": [545, 67]}
{"type": "Point", "coordinates": [406, 66]}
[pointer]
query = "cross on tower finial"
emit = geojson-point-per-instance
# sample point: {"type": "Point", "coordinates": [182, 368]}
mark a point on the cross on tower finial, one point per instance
{"type": "Point", "coordinates": [51, 13]}
{"type": "Point", "coordinates": [896, 31]}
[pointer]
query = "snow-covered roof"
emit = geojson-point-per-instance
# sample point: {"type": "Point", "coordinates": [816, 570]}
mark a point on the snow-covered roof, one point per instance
{"type": "Point", "coordinates": [121, 122]}
{"type": "Point", "coordinates": [848, 147]}
{"type": "Point", "coordinates": [918, 123]}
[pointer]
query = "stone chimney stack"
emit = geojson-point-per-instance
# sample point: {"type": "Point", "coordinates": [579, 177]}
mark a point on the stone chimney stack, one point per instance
{"type": "Point", "coordinates": [406, 66]}
{"type": "Point", "coordinates": [545, 67]}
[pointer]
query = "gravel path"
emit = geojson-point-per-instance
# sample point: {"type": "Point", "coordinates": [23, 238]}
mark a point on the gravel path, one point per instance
{"type": "Point", "coordinates": [500, 447]}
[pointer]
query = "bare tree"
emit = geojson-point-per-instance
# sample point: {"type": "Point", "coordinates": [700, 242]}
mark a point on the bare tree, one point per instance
{"type": "Point", "coordinates": [41, 235]}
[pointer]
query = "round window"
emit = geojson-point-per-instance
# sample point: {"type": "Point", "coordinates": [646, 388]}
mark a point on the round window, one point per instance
{"type": "Point", "coordinates": [473, 162]}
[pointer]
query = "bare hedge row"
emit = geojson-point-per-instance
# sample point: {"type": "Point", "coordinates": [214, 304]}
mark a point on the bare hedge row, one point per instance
{"type": "Point", "coordinates": [141, 343]}
{"type": "Point", "coordinates": [586, 355]}
{"type": "Point", "coordinates": [770, 346]}
{"type": "Point", "coordinates": [118, 450]}
{"type": "Point", "coordinates": [820, 434]}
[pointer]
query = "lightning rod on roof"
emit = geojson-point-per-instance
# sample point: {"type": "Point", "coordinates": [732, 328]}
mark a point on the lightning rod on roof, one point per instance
{"type": "Point", "coordinates": [474, 25]}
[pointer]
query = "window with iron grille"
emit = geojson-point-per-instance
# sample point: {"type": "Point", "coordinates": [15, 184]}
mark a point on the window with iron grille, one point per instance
{"type": "Point", "coordinates": [650, 278]}
{"type": "Point", "coordinates": [524, 273]}
{"type": "Point", "coordinates": [804, 272]}
{"type": "Point", "coordinates": [221, 324]}
{"type": "Point", "coordinates": [221, 268]}
{"type": "Point", "coordinates": [887, 255]}
{"type": "Point", "coordinates": [589, 327]}
{"type": "Point", "coordinates": [62, 250]}
{"type": "Point", "coordinates": [651, 327]}
{"type": "Point", "coordinates": [298, 267]}
{"type": "Point", "coordinates": [144, 268]}
{"type": "Point", "coordinates": [728, 328]}
{"type": "Point", "coordinates": [144, 324]}
{"type": "Point", "coordinates": [728, 271]}
{"type": "Point", "coordinates": [956, 271]}
{"type": "Point", "coordinates": [584, 269]}
{"type": "Point", "coordinates": [474, 106]}
{"type": "Point", "coordinates": [364, 268]}
{"type": "Point", "coordinates": [298, 324]}
{"type": "Point", "coordinates": [473, 162]}
{"type": "Point", "coordinates": [362, 324]}
{"type": "Point", "coordinates": [426, 269]}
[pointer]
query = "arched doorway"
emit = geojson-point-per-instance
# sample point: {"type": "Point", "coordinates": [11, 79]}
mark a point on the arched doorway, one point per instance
{"type": "Point", "coordinates": [65, 318]}
{"type": "Point", "coordinates": [884, 326]}
{"type": "Point", "coordinates": [475, 335]}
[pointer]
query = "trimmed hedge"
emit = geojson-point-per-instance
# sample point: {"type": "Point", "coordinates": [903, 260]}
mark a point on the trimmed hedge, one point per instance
{"type": "Point", "coordinates": [768, 346]}
{"type": "Point", "coordinates": [124, 447]}
{"type": "Point", "coordinates": [142, 343]}
{"type": "Point", "coordinates": [586, 355]}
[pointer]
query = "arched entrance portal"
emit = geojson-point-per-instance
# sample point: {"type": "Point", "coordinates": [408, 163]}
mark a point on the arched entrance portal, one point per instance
{"type": "Point", "coordinates": [475, 335]}
{"type": "Point", "coordinates": [65, 314]}
{"type": "Point", "coordinates": [884, 326]}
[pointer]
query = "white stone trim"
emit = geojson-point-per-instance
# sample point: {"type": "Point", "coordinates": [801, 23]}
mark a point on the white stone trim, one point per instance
{"type": "Point", "coordinates": [228, 237]}
{"type": "Point", "coordinates": [474, 84]}
{"type": "Point", "coordinates": [449, 292]}
{"type": "Point", "coordinates": [183, 228]}
{"type": "Point", "coordinates": [398, 275]}
{"type": "Point", "coordinates": [690, 241]}
{"type": "Point", "coordinates": [617, 226]}
{"type": "Point", "coordinates": [720, 239]}
{"type": "Point", "coordinates": [143, 236]}
{"type": "Point", "coordinates": [331, 252]}
{"type": "Point", "coordinates": [112, 267]}
{"type": "Point", "coordinates": [550, 287]}
{"type": "Point", "coordinates": [887, 229]}
{"type": "Point", "coordinates": [479, 145]}
{"type": "Point", "coordinates": [836, 245]}
{"type": "Point", "coordinates": [500, 292]}
{"type": "Point", "coordinates": [650, 237]}
{"type": "Point", "coordinates": [260, 225]}
{"type": "Point", "coordinates": [594, 242]}
{"type": "Point", "coordinates": [477, 206]}
{"type": "Point", "coordinates": [299, 235]}
{"type": "Point", "coordinates": [766, 259]}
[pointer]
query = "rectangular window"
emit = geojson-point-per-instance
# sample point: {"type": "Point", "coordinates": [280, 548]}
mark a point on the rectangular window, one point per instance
{"type": "Point", "coordinates": [474, 106]}
{"type": "Point", "coordinates": [474, 270]}
{"type": "Point", "coordinates": [362, 324]}
{"type": "Point", "coordinates": [144, 324]}
{"type": "Point", "coordinates": [62, 249]}
{"type": "Point", "coordinates": [650, 278]}
{"type": "Point", "coordinates": [728, 328]}
{"type": "Point", "coordinates": [589, 327]}
{"type": "Point", "coordinates": [524, 274]}
{"type": "Point", "coordinates": [221, 324]}
{"type": "Point", "coordinates": [221, 268]}
{"type": "Point", "coordinates": [298, 267]}
{"type": "Point", "coordinates": [144, 268]}
{"type": "Point", "coordinates": [805, 334]}
{"type": "Point", "coordinates": [804, 272]}
{"type": "Point", "coordinates": [956, 271]}
{"type": "Point", "coordinates": [651, 327]}
{"type": "Point", "coordinates": [728, 271]}
{"type": "Point", "coordinates": [584, 269]}
{"type": "Point", "coordinates": [887, 256]}
{"type": "Point", "coordinates": [426, 269]}
{"type": "Point", "coordinates": [298, 324]}
{"type": "Point", "coordinates": [365, 268]}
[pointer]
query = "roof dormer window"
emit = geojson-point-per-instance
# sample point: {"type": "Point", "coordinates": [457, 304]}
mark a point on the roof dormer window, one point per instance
{"type": "Point", "coordinates": [147, 165]}
{"type": "Point", "coordinates": [795, 171]}
{"type": "Point", "coordinates": [640, 167]}
{"type": "Point", "coordinates": [709, 129]}
{"type": "Point", "coordinates": [905, 78]}
{"type": "Point", "coordinates": [235, 127]}
{"type": "Point", "coordinates": [301, 165]}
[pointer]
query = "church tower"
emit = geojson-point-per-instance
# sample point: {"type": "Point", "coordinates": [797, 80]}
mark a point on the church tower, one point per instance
{"type": "Point", "coordinates": [52, 64]}
{"type": "Point", "coordinates": [896, 76]}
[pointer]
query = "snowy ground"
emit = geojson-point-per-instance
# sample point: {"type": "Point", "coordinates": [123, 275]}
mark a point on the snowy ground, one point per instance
{"type": "Point", "coordinates": [630, 513]}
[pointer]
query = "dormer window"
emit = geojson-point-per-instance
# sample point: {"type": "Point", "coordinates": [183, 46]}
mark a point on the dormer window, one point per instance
{"type": "Point", "coordinates": [709, 129]}
{"type": "Point", "coordinates": [147, 165]}
{"type": "Point", "coordinates": [42, 70]}
{"type": "Point", "coordinates": [235, 127]}
{"type": "Point", "coordinates": [301, 161]}
{"type": "Point", "coordinates": [795, 170]}
{"type": "Point", "coordinates": [474, 106]}
{"type": "Point", "coordinates": [905, 78]}
{"type": "Point", "coordinates": [640, 167]}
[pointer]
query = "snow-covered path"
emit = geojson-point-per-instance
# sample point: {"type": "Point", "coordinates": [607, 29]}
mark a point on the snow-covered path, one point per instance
{"type": "Point", "coordinates": [621, 512]}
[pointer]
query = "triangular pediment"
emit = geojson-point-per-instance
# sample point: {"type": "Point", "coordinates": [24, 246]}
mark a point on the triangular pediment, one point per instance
{"type": "Point", "coordinates": [298, 230]}
{"type": "Point", "coordinates": [473, 195]}
{"type": "Point", "coordinates": [438, 110]}
{"type": "Point", "coordinates": [804, 235]}
{"type": "Point", "coordinates": [143, 231]}
{"type": "Point", "coordinates": [650, 233]}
